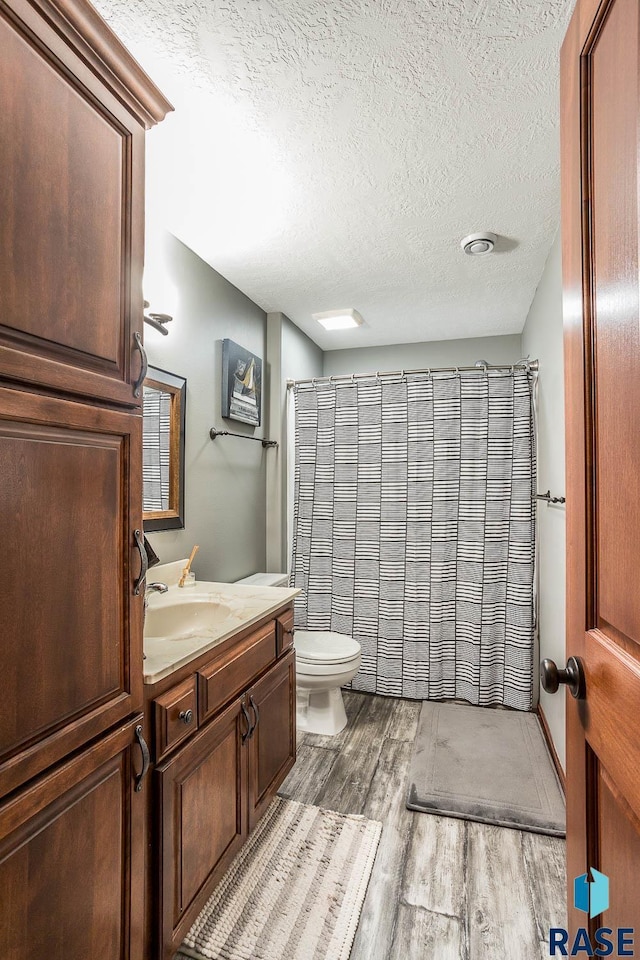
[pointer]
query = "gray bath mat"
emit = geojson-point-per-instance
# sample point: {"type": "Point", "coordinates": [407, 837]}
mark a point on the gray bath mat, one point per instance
{"type": "Point", "coordinates": [488, 765]}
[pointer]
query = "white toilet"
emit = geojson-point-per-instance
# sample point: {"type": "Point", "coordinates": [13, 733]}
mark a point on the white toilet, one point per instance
{"type": "Point", "coordinates": [325, 661]}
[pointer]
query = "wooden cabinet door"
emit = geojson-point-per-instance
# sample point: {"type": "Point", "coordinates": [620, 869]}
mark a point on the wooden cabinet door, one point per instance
{"type": "Point", "coordinates": [202, 809]}
{"type": "Point", "coordinates": [71, 215]}
{"type": "Point", "coordinates": [71, 650]}
{"type": "Point", "coordinates": [600, 66]}
{"type": "Point", "coordinates": [71, 858]}
{"type": "Point", "coordinates": [272, 744]}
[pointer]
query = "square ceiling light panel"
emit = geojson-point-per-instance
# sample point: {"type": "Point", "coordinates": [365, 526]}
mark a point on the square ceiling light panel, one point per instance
{"type": "Point", "coordinates": [339, 319]}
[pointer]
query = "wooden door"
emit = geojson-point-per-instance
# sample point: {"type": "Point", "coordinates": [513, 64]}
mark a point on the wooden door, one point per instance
{"type": "Point", "coordinates": [272, 743]}
{"type": "Point", "coordinates": [201, 796]}
{"type": "Point", "coordinates": [600, 224]}
{"type": "Point", "coordinates": [71, 201]}
{"type": "Point", "coordinates": [71, 858]}
{"type": "Point", "coordinates": [71, 650]}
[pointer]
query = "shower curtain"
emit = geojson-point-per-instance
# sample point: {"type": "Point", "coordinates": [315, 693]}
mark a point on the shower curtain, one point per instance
{"type": "Point", "coordinates": [414, 529]}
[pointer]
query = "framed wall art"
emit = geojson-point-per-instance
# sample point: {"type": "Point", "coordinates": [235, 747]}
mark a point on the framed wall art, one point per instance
{"type": "Point", "coordinates": [241, 384]}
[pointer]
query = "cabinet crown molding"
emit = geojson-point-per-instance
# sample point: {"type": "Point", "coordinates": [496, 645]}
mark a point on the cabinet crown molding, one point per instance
{"type": "Point", "coordinates": [82, 27]}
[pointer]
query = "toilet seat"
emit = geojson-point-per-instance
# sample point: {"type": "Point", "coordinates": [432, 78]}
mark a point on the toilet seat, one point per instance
{"type": "Point", "coordinates": [315, 648]}
{"type": "Point", "coordinates": [325, 662]}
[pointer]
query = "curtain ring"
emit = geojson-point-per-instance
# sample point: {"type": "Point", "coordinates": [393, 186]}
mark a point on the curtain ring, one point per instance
{"type": "Point", "coordinates": [353, 378]}
{"type": "Point", "coordinates": [378, 380]}
{"type": "Point", "coordinates": [513, 369]}
{"type": "Point", "coordinates": [457, 373]}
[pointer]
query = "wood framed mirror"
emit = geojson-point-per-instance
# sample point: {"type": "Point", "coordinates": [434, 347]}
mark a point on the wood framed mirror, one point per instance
{"type": "Point", "coordinates": [163, 428]}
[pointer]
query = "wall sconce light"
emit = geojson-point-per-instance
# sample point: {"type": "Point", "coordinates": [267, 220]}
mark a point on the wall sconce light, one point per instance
{"type": "Point", "coordinates": [156, 320]}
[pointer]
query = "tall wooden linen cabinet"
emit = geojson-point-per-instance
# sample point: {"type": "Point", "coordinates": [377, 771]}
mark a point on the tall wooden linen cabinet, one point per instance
{"type": "Point", "coordinates": [74, 107]}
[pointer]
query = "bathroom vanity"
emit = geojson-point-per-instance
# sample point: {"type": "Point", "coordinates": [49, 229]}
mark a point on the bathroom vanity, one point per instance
{"type": "Point", "coordinates": [219, 713]}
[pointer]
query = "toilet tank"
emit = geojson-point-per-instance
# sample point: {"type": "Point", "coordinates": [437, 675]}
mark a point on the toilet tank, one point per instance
{"type": "Point", "coordinates": [266, 580]}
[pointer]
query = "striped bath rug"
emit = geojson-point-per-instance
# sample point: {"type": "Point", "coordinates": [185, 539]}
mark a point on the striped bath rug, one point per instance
{"type": "Point", "coordinates": [294, 891]}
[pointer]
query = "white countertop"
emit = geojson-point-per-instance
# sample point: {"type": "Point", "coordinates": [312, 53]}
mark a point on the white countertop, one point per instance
{"type": "Point", "coordinates": [244, 605]}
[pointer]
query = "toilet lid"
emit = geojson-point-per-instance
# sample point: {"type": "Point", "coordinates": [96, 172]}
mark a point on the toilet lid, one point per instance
{"type": "Point", "coordinates": [323, 646]}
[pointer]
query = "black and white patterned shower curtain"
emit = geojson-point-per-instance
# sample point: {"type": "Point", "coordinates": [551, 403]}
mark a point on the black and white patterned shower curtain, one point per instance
{"type": "Point", "coordinates": [414, 530]}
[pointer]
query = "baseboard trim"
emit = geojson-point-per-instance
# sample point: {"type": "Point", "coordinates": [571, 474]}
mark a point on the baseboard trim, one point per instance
{"type": "Point", "coordinates": [552, 750]}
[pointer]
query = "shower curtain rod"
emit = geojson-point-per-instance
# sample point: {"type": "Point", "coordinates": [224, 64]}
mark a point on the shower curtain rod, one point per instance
{"type": "Point", "coordinates": [521, 365]}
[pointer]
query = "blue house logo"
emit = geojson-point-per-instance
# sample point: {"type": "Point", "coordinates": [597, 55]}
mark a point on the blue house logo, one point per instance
{"type": "Point", "coordinates": [591, 895]}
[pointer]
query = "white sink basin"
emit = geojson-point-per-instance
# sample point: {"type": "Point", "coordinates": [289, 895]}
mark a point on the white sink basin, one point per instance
{"type": "Point", "coordinates": [181, 620]}
{"type": "Point", "coordinates": [184, 623]}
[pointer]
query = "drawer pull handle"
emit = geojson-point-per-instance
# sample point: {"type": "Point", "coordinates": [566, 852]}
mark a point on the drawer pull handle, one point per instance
{"type": "Point", "coordinates": [146, 759]}
{"type": "Point", "coordinates": [245, 714]}
{"type": "Point", "coordinates": [144, 365]}
{"type": "Point", "coordinates": [257, 715]}
{"type": "Point", "coordinates": [144, 563]}
{"type": "Point", "coordinates": [186, 716]}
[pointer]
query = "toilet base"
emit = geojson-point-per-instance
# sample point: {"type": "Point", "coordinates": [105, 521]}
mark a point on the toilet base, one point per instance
{"type": "Point", "coordinates": [320, 711]}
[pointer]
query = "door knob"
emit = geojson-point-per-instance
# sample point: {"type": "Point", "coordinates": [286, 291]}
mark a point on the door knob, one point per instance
{"type": "Point", "coordinates": [573, 675]}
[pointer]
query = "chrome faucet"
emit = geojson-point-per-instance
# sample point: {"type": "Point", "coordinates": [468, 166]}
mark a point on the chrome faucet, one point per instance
{"type": "Point", "coordinates": [157, 587]}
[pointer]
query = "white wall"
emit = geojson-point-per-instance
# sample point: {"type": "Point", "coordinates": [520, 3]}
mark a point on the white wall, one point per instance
{"type": "Point", "coordinates": [542, 338]}
{"type": "Point", "coordinates": [437, 353]}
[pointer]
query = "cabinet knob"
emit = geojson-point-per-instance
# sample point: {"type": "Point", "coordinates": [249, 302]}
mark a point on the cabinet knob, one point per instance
{"type": "Point", "coordinates": [186, 716]}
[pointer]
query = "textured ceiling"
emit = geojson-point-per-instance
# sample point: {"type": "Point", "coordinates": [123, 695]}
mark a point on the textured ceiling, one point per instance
{"type": "Point", "coordinates": [332, 153]}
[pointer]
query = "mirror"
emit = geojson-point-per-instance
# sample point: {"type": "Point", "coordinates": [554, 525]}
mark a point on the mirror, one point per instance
{"type": "Point", "coordinates": [163, 430]}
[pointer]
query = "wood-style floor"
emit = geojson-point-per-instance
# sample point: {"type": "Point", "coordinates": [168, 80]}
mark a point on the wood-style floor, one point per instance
{"type": "Point", "coordinates": [441, 889]}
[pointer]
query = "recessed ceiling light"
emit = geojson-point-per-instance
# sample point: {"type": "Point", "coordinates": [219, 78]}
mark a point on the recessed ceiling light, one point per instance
{"type": "Point", "coordinates": [339, 319]}
{"type": "Point", "coordinates": [479, 244]}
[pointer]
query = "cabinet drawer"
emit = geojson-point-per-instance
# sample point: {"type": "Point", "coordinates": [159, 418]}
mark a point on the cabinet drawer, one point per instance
{"type": "Point", "coordinates": [175, 715]}
{"type": "Point", "coordinates": [226, 676]}
{"type": "Point", "coordinates": [284, 632]}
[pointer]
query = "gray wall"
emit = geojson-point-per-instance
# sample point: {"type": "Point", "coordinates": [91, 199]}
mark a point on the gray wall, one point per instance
{"type": "Point", "coordinates": [301, 359]}
{"type": "Point", "coordinates": [542, 338]}
{"type": "Point", "coordinates": [291, 355]}
{"type": "Point", "coordinates": [409, 356]}
{"type": "Point", "coordinates": [225, 479]}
